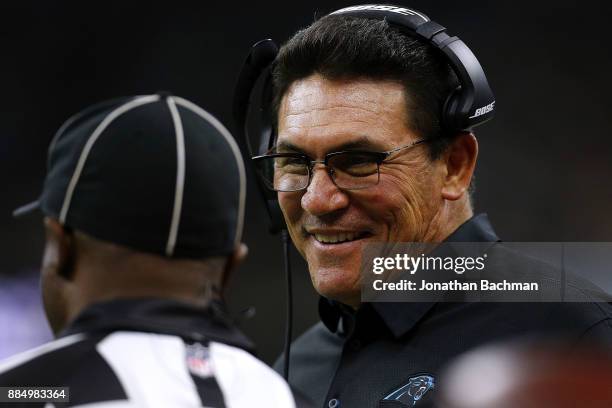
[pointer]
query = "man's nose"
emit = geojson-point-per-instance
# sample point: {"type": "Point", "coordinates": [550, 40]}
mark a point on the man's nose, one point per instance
{"type": "Point", "coordinates": [323, 196]}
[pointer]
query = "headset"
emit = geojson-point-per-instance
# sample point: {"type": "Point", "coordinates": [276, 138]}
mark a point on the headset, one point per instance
{"type": "Point", "coordinates": [470, 105]}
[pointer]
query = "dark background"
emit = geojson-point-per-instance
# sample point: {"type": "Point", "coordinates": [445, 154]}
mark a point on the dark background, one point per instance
{"type": "Point", "coordinates": [545, 161]}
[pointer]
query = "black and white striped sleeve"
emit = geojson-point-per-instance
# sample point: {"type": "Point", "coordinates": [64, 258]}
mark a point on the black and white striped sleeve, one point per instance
{"type": "Point", "coordinates": [137, 369]}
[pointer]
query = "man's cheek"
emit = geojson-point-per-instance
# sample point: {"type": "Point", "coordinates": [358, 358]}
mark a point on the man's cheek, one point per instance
{"type": "Point", "coordinates": [398, 205]}
{"type": "Point", "coordinates": [384, 200]}
{"type": "Point", "coordinates": [290, 207]}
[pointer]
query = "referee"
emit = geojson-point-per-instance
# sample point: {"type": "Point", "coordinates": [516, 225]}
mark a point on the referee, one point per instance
{"type": "Point", "coordinates": [143, 209]}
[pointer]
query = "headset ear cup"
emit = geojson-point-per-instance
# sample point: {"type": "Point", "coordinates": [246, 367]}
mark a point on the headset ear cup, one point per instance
{"type": "Point", "coordinates": [450, 121]}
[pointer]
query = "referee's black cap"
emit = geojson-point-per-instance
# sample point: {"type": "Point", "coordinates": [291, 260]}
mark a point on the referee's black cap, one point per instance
{"type": "Point", "coordinates": [155, 173]}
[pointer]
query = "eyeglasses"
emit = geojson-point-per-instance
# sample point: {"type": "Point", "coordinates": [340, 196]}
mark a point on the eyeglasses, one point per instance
{"type": "Point", "coordinates": [349, 170]}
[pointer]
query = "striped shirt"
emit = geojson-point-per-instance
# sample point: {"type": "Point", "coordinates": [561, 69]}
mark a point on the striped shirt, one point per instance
{"type": "Point", "coordinates": [150, 353]}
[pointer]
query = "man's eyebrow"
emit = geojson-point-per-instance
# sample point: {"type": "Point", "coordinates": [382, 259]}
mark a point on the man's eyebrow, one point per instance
{"type": "Point", "coordinates": [363, 143]}
{"type": "Point", "coordinates": [285, 146]}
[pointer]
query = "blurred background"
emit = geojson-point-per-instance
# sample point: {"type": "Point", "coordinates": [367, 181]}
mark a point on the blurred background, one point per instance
{"type": "Point", "coordinates": [545, 162]}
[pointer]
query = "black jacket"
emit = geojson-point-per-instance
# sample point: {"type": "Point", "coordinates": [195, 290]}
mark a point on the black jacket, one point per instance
{"type": "Point", "coordinates": [150, 353]}
{"type": "Point", "coordinates": [357, 359]}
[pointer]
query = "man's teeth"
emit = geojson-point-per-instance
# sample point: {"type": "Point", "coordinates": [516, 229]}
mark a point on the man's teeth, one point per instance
{"type": "Point", "coordinates": [335, 238]}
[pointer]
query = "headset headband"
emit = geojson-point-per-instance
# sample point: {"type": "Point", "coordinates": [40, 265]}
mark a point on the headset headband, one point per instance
{"type": "Point", "coordinates": [474, 103]}
{"type": "Point", "coordinates": [470, 105]}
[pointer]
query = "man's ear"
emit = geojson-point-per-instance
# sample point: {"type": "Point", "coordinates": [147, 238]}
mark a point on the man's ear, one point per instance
{"type": "Point", "coordinates": [234, 260]}
{"type": "Point", "coordinates": [460, 160]}
{"type": "Point", "coordinates": [58, 258]}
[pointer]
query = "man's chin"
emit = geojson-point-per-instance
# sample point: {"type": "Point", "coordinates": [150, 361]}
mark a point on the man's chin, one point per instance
{"type": "Point", "coordinates": [340, 286]}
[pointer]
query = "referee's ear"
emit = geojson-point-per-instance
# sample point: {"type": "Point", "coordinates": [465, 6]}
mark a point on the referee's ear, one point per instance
{"type": "Point", "coordinates": [58, 258]}
{"type": "Point", "coordinates": [233, 261]}
{"type": "Point", "coordinates": [57, 274]}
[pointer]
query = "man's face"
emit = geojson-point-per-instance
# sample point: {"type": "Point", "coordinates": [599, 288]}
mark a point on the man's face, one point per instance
{"type": "Point", "coordinates": [330, 226]}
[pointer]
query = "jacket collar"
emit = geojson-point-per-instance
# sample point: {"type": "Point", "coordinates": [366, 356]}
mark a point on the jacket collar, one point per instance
{"type": "Point", "coordinates": [163, 316]}
{"type": "Point", "coordinates": [400, 317]}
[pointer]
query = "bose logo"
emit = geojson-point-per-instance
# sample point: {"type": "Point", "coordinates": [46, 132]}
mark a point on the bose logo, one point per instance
{"type": "Point", "coordinates": [485, 109]}
{"type": "Point", "coordinates": [376, 7]}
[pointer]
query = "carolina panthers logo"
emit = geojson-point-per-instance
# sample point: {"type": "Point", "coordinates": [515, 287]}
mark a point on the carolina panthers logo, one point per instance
{"type": "Point", "coordinates": [413, 391]}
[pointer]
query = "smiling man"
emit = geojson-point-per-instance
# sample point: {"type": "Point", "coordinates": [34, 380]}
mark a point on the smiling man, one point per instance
{"type": "Point", "coordinates": [363, 155]}
{"type": "Point", "coordinates": [404, 197]}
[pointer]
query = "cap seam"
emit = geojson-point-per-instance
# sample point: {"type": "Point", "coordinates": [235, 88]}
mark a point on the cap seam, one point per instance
{"type": "Point", "coordinates": [180, 177]}
{"type": "Point", "coordinates": [237, 155]}
{"type": "Point", "coordinates": [89, 145]}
